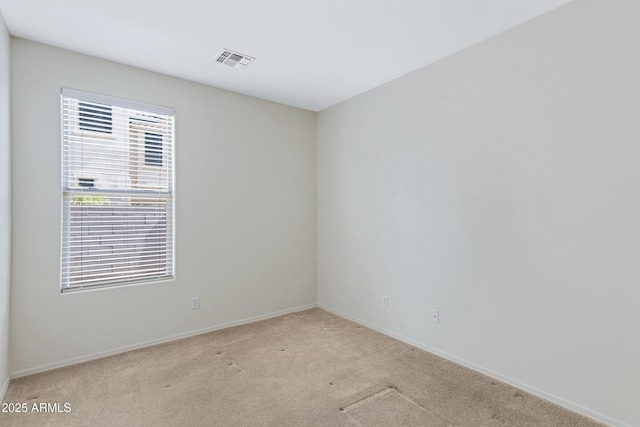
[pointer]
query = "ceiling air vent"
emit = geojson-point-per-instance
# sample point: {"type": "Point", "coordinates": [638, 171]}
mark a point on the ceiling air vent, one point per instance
{"type": "Point", "coordinates": [233, 59]}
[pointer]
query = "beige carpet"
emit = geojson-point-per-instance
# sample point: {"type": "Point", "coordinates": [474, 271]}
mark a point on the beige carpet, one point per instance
{"type": "Point", "coordinates": [309, 368]}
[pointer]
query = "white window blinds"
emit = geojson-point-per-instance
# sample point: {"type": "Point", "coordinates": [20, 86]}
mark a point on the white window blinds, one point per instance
{"type": "Point", "coordinates": [117, 191]}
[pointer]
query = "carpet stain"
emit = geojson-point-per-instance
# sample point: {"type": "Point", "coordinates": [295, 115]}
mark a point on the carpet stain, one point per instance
{"type": "Point", "coordinates": [498, 418]}
{"type": "Point", "coordinates": [228, 362]}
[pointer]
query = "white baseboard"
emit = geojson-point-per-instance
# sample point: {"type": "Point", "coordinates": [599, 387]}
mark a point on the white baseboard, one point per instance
{"type": "Point", "coordinates": [101, 354]}
{"type": "Point", "coordinates": [511, 381]}
{"type": "Point", "coordinates": [4, 387]}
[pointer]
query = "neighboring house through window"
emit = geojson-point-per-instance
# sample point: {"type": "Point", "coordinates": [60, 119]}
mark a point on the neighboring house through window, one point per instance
{"type": "Point", "coordinates": [153, 149]}
{"type": "Point", "coordinates": [95, 117]}
{"type": "Point", "coordinates": [117, 191]}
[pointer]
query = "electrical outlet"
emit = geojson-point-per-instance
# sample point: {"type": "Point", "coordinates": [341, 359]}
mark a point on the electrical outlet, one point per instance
{"type": "Point", "coordinates": [435, 315]}
{"type": "Point", "coordinates": [195, 302]}
{"type": "Point", "coordinates": [385, 302]}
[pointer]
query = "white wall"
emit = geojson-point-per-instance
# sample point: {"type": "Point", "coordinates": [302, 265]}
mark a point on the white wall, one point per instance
{"type": "Point", "coordinates": [5, 206]}
{"type": "Point", "coordinates": [245, 213]}
{"type": "Point", "coordinates": [500, 186]}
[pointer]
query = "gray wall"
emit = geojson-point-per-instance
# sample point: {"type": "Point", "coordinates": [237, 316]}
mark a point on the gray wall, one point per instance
{"type": "Point", "coordinates": [5, 206]}
{"type": "Point", "coordinates": [245, 213]}
{"type": "Point", "coordinates": [500, 186]}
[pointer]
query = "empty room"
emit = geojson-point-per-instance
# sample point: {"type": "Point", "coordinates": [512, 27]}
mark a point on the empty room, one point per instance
{"type": "Point", "coordinates": [320, 213]}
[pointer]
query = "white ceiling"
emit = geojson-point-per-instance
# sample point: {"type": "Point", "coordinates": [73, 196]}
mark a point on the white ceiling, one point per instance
{"type": "Point", "coordinates": [309, 53]}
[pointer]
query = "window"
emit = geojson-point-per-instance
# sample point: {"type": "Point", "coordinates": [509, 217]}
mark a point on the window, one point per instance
{"type": "Point", "coordinates": [95, 117]}
{"type": "Point", "coordinates": [117, 191]}
{"type": "Point", "coordinates": [85, 182]}
{"type": "Point", "coordinates": [152, 149]}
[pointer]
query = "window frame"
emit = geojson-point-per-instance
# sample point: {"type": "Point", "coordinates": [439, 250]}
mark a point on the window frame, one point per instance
{"type": "Point", "coordinates": [70, 189]}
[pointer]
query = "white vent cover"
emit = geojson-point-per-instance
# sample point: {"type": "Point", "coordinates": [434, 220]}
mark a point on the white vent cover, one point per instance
{"type": "Point", "coordinates": [233, 59]}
